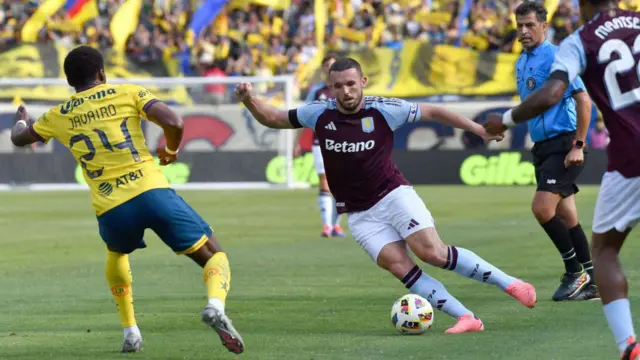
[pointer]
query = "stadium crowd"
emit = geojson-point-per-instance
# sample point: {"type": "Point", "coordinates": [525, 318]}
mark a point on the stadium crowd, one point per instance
{"type": "Point", "coordinates": [248, 39]}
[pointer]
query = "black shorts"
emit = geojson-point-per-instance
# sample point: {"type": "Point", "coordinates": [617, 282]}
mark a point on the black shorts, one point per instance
{"type": "Point", "coordinates": [551, 174]}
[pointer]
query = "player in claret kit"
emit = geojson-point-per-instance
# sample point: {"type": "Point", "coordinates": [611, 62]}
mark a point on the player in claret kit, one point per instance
{"type": "Point", "coordinates": [386, 215]}
{"type": "Point", "coordinates": [605, 52]}
{"type": "Point", "coordinates": [101, 126]}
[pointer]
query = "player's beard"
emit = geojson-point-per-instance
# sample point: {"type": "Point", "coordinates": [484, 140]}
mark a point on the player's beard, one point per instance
{"type": "Point", "coordinates": [353, 104]}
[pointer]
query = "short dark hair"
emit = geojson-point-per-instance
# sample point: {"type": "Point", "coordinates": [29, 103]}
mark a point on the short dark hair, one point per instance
{"type": "Point", "coordinates": [601, 2]}
{"type": "Point", "coordinates": [328, 57]}
{"type": "Point", "coordinates": [343, 64]}
{"type": "Point", "coordinates": [528, 7]}
{"type": "Point", "coordinates": [81, 66]}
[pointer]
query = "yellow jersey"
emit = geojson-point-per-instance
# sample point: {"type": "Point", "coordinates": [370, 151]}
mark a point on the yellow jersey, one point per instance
{"type": "Point", "coordinates": [102, 127]}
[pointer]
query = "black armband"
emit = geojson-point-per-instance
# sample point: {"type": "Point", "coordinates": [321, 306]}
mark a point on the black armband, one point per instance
{"type": "Point", "coordinates": [560, 75]}
{"type": "Point", "coordinates": [293, 119]}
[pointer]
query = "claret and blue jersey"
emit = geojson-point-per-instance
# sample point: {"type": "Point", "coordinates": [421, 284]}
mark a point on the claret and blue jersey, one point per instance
{"type": "Point", "coordinates": [602, 52]}
{"type": "Point", "coordinates": [532, 69]}
{"type": "Point", "coordinates": [356, 148]}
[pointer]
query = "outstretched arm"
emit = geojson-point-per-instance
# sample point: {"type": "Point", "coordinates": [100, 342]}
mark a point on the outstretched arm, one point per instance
{"type": "Point", "coordinates": [21, 135]}
{"type": "Point", "coordinates": [537, 103]}
{"type": "Point", "coordinates": [446, 117]}
{"type": "Point", "coordinates": [540, 101]}
{"type": "Point", "coordinates": [569, 62]}
{"type": "Point", "coordinates": [263, 113]}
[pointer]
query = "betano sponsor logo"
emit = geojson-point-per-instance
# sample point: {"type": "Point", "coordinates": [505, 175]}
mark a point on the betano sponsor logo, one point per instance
{"type": "Point", "coordinates": [348, 147]}
{"type": "Point", "coordinates": [503, 169]}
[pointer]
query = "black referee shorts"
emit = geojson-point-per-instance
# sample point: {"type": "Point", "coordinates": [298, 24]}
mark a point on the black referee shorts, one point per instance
{"type": "Point", "coordinates": [551, 174]}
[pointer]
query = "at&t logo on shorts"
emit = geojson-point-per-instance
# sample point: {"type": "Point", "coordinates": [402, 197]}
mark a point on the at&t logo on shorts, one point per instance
{"type": "Point", "coordinates": [105, 189]}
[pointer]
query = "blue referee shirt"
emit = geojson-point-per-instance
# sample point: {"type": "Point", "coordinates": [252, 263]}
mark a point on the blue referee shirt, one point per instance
{"type": "Point", "coordinates": [532, 70]}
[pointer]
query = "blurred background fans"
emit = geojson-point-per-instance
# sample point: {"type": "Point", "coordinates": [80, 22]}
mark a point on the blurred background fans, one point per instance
{"type": "Point", "coordinates": [218, 38]}
{"type": "Point", "coordinates": [420, 50]}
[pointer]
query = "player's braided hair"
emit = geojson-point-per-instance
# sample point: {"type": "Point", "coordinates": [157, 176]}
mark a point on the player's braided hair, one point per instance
{"type": "Point", "coordinates": [81, 66]}
{"type": "Point", "coordinates": [529, 7]}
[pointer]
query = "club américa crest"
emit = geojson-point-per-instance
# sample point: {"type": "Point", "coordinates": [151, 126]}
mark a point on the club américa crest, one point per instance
{"type": "Point", "coordinates": [531, 83]}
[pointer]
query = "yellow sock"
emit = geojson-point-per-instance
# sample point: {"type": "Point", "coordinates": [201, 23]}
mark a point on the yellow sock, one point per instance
{"type": "Point", "coordinates": [120, 279]}
{"type": "Point", "coordinates": [217, 277]}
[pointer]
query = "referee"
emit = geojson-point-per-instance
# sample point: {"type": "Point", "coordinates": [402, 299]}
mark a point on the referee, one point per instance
{"type": "Point", "coordinates": [558, 154]}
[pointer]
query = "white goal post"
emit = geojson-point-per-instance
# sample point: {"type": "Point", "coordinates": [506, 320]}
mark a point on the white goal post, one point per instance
{"type": "Point", "coordinates": [219, 131]}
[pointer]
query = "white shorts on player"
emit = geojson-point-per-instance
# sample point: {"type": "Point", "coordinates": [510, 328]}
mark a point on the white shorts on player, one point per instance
{"type": "Point", "coordinates": [618, 203]}
{"type": "Point", "coordinates": [398, 215]}
{"type": "Point", "coordinates": [317, 159]}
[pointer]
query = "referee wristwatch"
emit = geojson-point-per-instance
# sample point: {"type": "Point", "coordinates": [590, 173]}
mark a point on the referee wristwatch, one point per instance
{"type": "Point", "coordinates": [579, 144]}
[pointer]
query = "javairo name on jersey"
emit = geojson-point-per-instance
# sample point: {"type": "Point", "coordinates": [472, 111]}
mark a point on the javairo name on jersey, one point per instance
{"type": "Point", "coordinates": [91, 115]}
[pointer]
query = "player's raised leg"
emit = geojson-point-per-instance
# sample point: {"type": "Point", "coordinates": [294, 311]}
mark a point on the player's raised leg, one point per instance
{"type": "Point", "coordinates": [384, 245]}
{"type": "Point", "coordinates": [394, 258]}
{"type": "Point", "coordinates": [414, 222]}
{"type": "Point", "coordinates": [180, 227]}
{"type": "Point", "coordinates": [544, 209]}
{"type": "Point", "coordinates": [569, 213]}
{"type": "Point", "coordinates": [426, 244]}
{"type": "Point", "coordinates": [217, 278]}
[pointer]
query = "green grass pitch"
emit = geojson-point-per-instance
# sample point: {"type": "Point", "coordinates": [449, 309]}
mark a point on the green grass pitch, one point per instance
{"type": "Point", "coordinates": [293, 294]}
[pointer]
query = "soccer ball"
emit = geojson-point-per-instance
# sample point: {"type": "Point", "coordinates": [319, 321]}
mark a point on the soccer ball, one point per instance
{"type": "Point", "coordinates": [412, 314]}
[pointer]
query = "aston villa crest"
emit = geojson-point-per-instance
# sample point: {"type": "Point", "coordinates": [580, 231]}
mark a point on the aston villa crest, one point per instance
{"type": "Point", "coordinates": [367, 124]}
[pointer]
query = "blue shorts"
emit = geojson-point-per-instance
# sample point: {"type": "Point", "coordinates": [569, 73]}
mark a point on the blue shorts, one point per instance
{"type": "Point", "coordinates": [161, 210]}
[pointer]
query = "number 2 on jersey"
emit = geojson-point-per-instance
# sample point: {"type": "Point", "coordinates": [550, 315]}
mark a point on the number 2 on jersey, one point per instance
{"type": "Point", "coordinates": [618, 99]}
{"type": "Point", "coordinates": [126, 144]}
